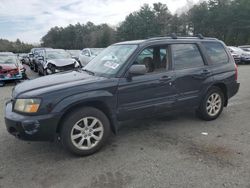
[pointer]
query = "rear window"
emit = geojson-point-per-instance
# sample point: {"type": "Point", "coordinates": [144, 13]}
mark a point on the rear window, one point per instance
{"type": "Point", "coordinates": [216, 52]}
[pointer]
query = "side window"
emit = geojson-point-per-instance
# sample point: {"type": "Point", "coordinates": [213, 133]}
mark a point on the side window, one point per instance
{"type": "Point", "coordinates": [186, 56]}
{"type": "Point", "coordinates": [154, 58]}
{"type": "Point", "coordinates": [216, 52]}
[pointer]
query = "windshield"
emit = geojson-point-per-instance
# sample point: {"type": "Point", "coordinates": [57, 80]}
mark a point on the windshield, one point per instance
{"type": "Point", "coordinates": [7, 59]}
{"type": "Point", "coordinates": [58, 55]}
{"type": "Point", "coordinates": [74, 53]}
{"type": "Point", "coordinates": [110, 60]}
{"type": "Point", "coordinates": [96, 51]}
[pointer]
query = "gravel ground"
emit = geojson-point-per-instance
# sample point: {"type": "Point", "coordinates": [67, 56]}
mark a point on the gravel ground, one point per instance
{"type": "Point", "coordinates": [167, 151]}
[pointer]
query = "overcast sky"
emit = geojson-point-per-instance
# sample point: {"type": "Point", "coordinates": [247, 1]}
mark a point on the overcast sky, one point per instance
{"type": "Point", "coordinates": [29, 20]}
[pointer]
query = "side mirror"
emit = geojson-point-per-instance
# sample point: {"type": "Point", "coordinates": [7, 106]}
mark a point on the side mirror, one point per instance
{"type": "Point", "coordinates": [136, 70]}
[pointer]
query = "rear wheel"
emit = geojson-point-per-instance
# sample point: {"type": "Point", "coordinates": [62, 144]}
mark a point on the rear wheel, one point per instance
{"type": "Point", "coordinates": [212, 105]}
{"type": "Point", "coordinates": [85, 131]}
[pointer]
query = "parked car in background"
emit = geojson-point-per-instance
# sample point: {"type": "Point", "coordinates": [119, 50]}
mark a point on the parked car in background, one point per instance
{"type": "Point", "coordinates": [244, 55]}
{"type": "Point", "coordinates": [10, 68]}
{"type": "Point", "coordinates": [245, 48]}
{"type": "Point", "coordinates": [34, 61]}
{"type": "Point", "coordinates": [75, 54]}
{"type": "Point", "coordinates": [52, 61]}
{"type": "Point", "coordinates": [87, 54]}
{"type": "Point", "coordinates": [24, 58]}
{"type": "Point", "coordinates": [83, 107]}
{"type": "Point", "coordinates": [236, 53]}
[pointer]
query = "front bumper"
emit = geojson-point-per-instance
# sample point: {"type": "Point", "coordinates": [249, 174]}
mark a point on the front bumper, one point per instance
{"type": "Point", "coordinates": [14, 77]}
{"type": "Point", "coordinates": [35, 128]}
{"type": "Point", "coordinates": [245, 59]}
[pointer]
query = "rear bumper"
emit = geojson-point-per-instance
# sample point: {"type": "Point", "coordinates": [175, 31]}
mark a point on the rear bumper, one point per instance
{"type": "Point", "coordinates": [233, 89]}
{"type": "Point", "coordinates": [35, 128]}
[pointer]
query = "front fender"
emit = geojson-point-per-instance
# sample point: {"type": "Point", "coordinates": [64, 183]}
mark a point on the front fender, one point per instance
{"type": "Point", "coordinates": [102, 97]}
{"type": "Point", "coordinates": [86, 97]}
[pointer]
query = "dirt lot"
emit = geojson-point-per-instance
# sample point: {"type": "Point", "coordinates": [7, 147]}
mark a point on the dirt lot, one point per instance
{"type": "Point", "coordinates": [167, 151]}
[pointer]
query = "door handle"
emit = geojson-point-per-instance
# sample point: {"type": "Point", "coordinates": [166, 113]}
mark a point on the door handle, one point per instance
{"type": "Point", "coordinates": [165, 78]}
{"type": "Point", "coordinates": [205, 72]}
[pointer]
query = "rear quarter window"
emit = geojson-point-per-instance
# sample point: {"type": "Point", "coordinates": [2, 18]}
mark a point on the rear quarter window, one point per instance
{"type": "Point", "coordinates": [216, 52]}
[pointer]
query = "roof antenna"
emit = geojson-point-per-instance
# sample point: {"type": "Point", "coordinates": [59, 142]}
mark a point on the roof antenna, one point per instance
{"type": "Point", "coordinates": [200, 36]}
{"type": "Point", "coordinates": [173, 36]}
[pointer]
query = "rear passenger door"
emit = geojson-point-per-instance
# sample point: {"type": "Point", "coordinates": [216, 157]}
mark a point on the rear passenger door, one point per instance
{"type": "Point", "coordinates": [192, 73]}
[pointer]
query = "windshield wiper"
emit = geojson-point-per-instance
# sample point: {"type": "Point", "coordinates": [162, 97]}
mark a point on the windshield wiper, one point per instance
{"type": "Point", "coordinates": [89, 72]}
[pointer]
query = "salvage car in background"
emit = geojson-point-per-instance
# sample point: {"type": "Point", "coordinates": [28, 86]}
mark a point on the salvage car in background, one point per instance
{"type": "Point", "coordinates": [245, 48]}
{"type": "Point", "coordinates": [10, 68]}
{"type": "Point", "coordinates": [244, 55]}
{"type": "Point", "coordinates": [87, 54]}
{"type": "Point", "coordinates": [52, 61]}
{"type": "Point", "coordinates": [34, 60]}
{"type": "Point", "coordinates": [24, 58]}
{"type": "Point", "coordinates": [236, 53]}
{"type": "Point", "coordinates": [74, 54]}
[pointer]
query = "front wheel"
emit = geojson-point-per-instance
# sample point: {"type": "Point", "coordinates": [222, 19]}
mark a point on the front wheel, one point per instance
{"type": "Point", "coordinates": [212, 104]}
{"type": "Point", "coordinates": [85, 131]}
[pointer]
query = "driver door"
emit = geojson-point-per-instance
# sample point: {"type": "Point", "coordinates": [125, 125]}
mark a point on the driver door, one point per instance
{"type": "Point", "coordinates": [144, 95]}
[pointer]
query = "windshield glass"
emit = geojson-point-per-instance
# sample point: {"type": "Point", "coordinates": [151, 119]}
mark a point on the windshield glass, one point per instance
{"type": "Point", "coordinates": [58, 55]}
{"type": "Point", "coordinates": [7, 59]}
{"type": "Point", "coordinates": [74, 53]}
{"type": "Point", "coordinates": [110, 60]}
{"type": "Point", "coordinates": [96, 51]}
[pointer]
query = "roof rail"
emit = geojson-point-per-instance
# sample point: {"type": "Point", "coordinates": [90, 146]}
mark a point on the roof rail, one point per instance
{"type": "Point", "coordinates": [173, 36]}
{"type": "Point", "coordinates": [200, 36]}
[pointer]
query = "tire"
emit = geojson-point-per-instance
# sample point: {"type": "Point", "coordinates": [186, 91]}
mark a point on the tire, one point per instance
{"type": "Point", "coordinates": [35, 68]}
{"type": "Point", "coordinates": [39, 72]}
{"type": "Point", "coordinates": [31, 66]}
{"type": "Point", "coordinates": [79, 140]}
{"type": "Point", "coordinates": [212, 105]}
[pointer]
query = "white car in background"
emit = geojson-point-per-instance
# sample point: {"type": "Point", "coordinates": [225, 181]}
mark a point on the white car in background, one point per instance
{"type": "Point", "coordinates": [87, 54]}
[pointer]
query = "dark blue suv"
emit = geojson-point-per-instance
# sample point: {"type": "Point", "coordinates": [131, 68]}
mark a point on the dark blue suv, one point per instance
{"type": "Point", "coordinates": [127, 80]}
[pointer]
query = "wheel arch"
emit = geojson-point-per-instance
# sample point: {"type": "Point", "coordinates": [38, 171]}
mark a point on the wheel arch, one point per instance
{"type": "Point", "coordinates": [100, 105]}
{"type": "Point", "coordinates": [224, 90]}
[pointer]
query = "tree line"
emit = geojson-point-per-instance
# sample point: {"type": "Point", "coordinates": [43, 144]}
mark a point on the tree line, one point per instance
{"type": "Point", "coordinates": [16, 47]}
{"type": "Point", "coordinates": [228, 20]}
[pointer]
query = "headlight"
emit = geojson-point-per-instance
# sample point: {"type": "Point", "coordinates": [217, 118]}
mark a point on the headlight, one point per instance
{"type": "Point", "coordinates": [27, 105]}
{"type": "Point", "coordinates": [76, 64]}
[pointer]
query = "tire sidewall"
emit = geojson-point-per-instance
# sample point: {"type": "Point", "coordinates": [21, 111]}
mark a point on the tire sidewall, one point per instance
{"type": "Point", "coordinates": [74, 117]}
{"type": "Point", "coordinates": [203, 111]}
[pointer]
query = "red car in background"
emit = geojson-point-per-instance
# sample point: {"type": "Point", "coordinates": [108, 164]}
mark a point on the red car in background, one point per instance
{"type": "Point", "coordinates": [10, 68]}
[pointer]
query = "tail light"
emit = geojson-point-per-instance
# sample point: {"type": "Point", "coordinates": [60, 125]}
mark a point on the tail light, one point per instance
{"type": "Point", "coordinates": [236, 72]}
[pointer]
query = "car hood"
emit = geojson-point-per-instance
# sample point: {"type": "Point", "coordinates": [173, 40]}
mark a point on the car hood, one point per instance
{"type": "Point", "coordinates": [8, 66]}
{"type": "Point", "coordinates": [55, 82]}
{"type": "Point", "coordinates": [62, 62]}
